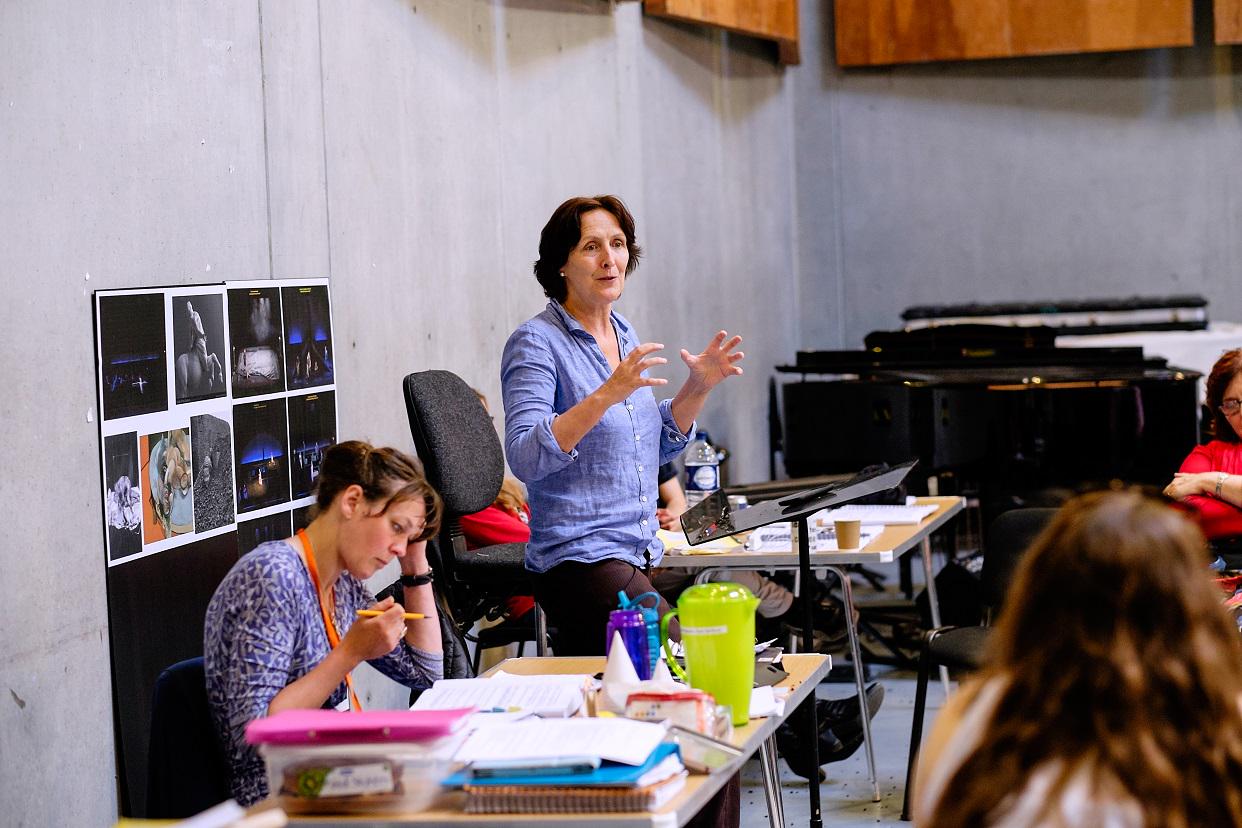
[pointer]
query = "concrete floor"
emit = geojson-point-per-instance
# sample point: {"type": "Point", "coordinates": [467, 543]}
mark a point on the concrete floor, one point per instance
{"type": "Point", "coordinates": [845, 796]}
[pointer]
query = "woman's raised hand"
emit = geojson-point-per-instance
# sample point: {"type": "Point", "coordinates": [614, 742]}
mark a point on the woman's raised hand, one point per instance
{"type": "Point", "coordinates": [628, 376]}
{"type": "Point", "coordinates": [369, 638]}
{"type": "Point", "coordinates": [716, 363]}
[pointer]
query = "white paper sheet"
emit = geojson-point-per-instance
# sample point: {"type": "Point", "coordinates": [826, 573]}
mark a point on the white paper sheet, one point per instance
{"type": "Point", "coordinates": [541, 695]}
{"type": "Point", "coordinates": [618, 740]}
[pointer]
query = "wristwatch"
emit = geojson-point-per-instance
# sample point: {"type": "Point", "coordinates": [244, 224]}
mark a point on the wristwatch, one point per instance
{"type": "Point", "coordinates": [1220, 481]}
{"type": "Point", "coordinates": [418, 580]}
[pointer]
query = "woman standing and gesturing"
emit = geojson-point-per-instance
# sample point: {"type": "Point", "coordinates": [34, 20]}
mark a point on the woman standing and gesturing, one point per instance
{"type": "Point", "coordinates": [583, 429]}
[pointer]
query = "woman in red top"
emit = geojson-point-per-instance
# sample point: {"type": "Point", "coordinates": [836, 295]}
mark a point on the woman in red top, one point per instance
{"type": "Point", "coordinates": [1210, 479]}
{"type": "Point", "coordinates": [505, 521]}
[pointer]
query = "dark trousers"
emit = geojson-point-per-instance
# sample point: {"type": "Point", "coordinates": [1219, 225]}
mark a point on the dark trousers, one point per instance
{"type": "Point", "coordinates": [576, 597]}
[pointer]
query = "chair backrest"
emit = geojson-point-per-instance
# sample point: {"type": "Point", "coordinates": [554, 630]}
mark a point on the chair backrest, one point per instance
{"type": "Point", "coordinates": [186, 769]}
{"type": "Point", "coordinates": [1008, 538]}
{"type": "Point", "coordinates": [461, 454]}
{"type": "Point", "coordinates": [455, 440]}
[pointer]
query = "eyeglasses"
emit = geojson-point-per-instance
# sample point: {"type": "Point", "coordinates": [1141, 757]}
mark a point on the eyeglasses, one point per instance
{"type": "Point", "coordinates": [1230, 406]}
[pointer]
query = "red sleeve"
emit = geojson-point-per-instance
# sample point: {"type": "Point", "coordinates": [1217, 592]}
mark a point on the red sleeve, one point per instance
{"type": "Point", "coordinates": [1200, 459]}
{"type": "Point", "coordinates": [491, 526]}
{"type": "Point", "coordinates": [1216, 518]}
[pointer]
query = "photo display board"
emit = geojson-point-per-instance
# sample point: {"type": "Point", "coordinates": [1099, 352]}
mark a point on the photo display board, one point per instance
{"type": "Point", "coordinates": [216, 403]}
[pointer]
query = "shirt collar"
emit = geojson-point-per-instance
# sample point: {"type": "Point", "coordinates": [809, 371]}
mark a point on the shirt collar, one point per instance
{"type": "Point", "coordinates": [573, 326]}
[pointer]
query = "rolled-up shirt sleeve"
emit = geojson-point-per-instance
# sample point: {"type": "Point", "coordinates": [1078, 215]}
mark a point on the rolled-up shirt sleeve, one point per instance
{"type": "Point", "coordinates": [672, 441]}
{"type": "Point", "coordinates": [528, 386]}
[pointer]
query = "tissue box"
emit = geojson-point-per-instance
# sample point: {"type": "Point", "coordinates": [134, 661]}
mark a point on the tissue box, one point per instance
{"type": "Point", "coordinates": [692, 709]}
{"type": "Point", "coordinates": [393, 777]}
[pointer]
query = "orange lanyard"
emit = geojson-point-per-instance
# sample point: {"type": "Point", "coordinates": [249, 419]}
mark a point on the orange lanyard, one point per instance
{"type": "Point", "coordinates": [325, 607]}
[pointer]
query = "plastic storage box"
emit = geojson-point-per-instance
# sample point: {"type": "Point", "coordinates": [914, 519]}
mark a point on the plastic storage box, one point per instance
{"type": "Point", "coordinates": [388, 778]}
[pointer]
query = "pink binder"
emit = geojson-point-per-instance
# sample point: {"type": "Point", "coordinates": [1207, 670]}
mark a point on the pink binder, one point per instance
{"type": "Point", "coordinates": [310, 727]}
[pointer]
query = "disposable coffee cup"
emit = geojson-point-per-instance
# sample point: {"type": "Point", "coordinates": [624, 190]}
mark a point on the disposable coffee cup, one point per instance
{"type": "Point", "coordinates": [847, 533]}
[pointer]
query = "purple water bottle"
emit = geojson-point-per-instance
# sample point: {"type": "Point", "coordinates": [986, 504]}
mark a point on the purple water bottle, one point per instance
{"type": "Point", "coordinates": [633, 629]}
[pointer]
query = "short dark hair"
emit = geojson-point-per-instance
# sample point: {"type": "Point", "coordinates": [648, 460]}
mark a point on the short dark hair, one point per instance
{"type": "Point", "coordinates": [1226, 368]}
{"type": "Point", "coordinates": [386, 476]}
{"type": "Point", "coordinates": [564, 230]}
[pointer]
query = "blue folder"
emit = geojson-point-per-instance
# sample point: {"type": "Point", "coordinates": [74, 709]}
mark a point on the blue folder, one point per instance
{"type": "Point", "coordinates": [614, 774]}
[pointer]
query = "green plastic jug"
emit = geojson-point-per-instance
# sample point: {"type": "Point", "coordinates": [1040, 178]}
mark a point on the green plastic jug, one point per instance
{"type": "Point", "coordinates": [718, 634]}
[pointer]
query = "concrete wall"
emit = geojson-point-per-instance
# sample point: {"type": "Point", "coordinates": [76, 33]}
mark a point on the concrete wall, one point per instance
{"type": "Point", "coordinates": [1047, 178]}
{"type": "Point", "coordinates": [411, 151]}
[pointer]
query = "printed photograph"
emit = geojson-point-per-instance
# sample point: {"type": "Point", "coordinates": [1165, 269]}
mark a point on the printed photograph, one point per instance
{"type": "Point", "coordinates": [133, 355]}
{"type": "Point", "coordinates": [168, 502]}
{"type": "Point", "coordinates": [312, 429]}
{"type": "Point", "coordinates": [123, 495]}
{"type": "Point", "coordinates": [213, 472]}
{"type": "Point", "coordinates": [261, 530]}
{"type": "Point", "coordinates": [255, 341]}
{"type": "Point", "coordinates": [308, 336]}
{"type": "Point", "coordinates": [261, 455]}
{"type": "Point", "coordinates": [198, 341]}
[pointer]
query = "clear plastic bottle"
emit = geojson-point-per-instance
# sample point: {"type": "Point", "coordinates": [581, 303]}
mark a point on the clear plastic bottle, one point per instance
{"type": "Point", "coordinates": [702, 469]}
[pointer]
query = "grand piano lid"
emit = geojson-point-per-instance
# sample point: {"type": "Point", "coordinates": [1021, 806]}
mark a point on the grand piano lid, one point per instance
{"type": "Point", "coordinates": [713, 517]}
{"type": "Point", "coordinates": [982, 354]}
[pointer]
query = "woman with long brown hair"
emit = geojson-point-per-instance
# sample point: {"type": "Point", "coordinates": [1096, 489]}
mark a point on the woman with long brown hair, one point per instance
{"type": "Point", "coordinates": [1113, 685]}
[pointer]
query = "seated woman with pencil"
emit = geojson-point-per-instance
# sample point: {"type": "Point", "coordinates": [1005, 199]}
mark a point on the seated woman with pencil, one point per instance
{"type": "Point", "coordinates": [292, 618]}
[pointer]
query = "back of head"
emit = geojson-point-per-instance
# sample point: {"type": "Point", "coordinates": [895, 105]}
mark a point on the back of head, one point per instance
{"type": "Point", "coordinates": [385, 476]}
{"type": "Point", "coordinates": [1117, 577]}
{"type": "Point", "coordinates": [1117, 656]}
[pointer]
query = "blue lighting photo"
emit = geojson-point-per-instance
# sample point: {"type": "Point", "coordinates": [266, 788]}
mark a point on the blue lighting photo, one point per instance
{"type": "Point", "coordinates": [262, 455]}
{"type": "Point", "coordinates": [312, 429]}
{"type": "Point", "coordinates": [308, 336]}
{"type": "Point", "coordinates": [134, 355]}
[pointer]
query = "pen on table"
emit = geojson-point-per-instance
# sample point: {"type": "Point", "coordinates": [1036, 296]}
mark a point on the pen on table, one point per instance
{"type": "Point", "coordinates": [408, 616]}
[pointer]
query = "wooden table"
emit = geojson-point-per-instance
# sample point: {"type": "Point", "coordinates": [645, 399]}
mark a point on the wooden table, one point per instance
{"type": "Point", "coordinates": [806, 670]}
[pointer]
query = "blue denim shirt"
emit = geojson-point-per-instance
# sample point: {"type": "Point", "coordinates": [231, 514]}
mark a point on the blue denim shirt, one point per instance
{"type": "Point", "coordinates": [598, 500]}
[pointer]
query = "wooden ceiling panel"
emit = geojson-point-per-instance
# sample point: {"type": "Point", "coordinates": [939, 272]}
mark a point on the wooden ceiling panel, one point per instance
{"type": "Point", "coordinates": [770, 19]}
{"type": "Point", "coordinates": [879, 32]}
{"type": "Point", "coordinates": [1228, 21]}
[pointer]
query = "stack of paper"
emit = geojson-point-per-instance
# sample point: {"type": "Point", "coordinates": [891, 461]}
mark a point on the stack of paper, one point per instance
{"type": "Point", "coordinates": [780, 537]}
{"type": "Point", "coordinates": [675, 544]}
{"type": "Point", "coordinates": [630, 767]}
{"type": "Point", "coordinates": [886, 514]}
{"type": "Point", "coordinates": [540, 695]}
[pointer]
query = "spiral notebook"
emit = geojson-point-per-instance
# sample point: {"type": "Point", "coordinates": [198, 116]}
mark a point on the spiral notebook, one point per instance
{"type": "Point", "coordinates": [613, 786]}
{"type": "Point", "coordinates": [527, 799]}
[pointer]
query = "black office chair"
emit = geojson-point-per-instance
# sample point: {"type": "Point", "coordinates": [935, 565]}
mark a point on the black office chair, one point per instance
{"type": "Point", "coordinates": [962, 648]}
{"type": "Point", "coordinates": [461, 454]}
{"type": "Point", "coordinates": [186, 769]}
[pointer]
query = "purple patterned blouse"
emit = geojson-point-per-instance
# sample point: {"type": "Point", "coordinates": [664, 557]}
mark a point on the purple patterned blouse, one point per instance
{"type": "Point", "coordinates": [264, 630]}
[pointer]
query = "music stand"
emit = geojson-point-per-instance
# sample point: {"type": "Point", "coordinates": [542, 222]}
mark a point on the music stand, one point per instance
{"type": "Point", "coordinates": [713, 517]}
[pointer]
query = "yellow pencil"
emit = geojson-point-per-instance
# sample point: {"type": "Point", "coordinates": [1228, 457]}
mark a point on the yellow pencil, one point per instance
{"type": "Point", "coordinates": [408, 616]}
